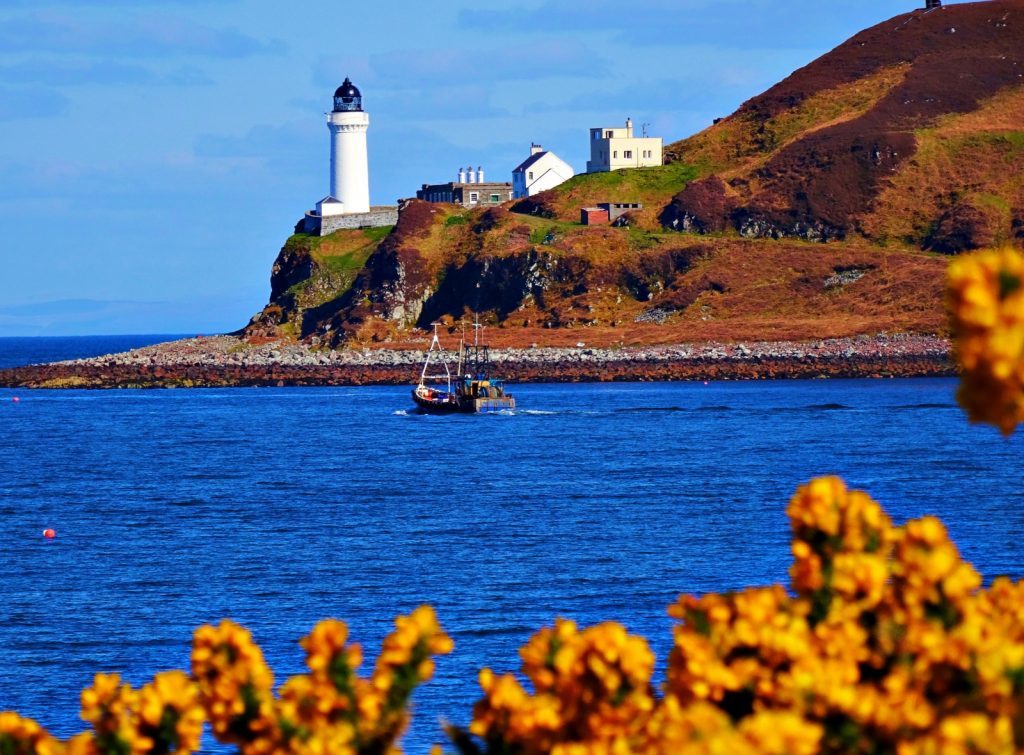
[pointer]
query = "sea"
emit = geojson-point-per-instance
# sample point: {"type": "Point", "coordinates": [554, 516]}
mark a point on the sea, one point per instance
{"type": "Point", "coordinates": [278, 507]}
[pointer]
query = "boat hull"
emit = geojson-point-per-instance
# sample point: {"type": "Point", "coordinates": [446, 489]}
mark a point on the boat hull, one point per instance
{"type": "Point", "coordinates": [435, 405]}
{"type": "Point", "coordinates": [459, 405]}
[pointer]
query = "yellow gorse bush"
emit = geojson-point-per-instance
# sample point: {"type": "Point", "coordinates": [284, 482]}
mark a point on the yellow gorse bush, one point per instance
{"type": "Point", "coordinates": [985, 296]}
{"type": "Point", "coordinates": [329, 710]}
{"type": "Point", "coordinates": [885, 642]}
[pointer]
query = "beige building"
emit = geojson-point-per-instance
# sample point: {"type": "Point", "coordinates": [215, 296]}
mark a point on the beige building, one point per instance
{"type": "Point", "coordinates": [617, 148]}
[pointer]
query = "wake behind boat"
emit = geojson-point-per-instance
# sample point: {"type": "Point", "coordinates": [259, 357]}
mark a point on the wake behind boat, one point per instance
{"type": "Point", "coordinates": [471, 390]}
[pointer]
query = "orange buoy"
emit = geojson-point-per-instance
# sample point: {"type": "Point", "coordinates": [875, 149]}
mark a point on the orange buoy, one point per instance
{"type": "Point", "coordinates": [49, 533]}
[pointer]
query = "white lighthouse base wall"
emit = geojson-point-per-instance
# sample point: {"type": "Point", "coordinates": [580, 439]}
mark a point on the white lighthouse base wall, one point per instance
{"type": "Point", "coordinates": [317, 225]}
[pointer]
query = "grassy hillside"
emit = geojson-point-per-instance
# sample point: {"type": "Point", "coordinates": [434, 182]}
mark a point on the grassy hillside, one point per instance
{"type": "Point", "coordinates": [907, 133]}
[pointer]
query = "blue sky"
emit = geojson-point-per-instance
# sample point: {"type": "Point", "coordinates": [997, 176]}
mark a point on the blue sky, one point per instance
{"type": "Point", "coordinates": [155, 154]}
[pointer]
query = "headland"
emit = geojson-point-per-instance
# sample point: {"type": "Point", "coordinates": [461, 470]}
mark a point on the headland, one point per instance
{"type": "Point", "coordinates": [805, 235]}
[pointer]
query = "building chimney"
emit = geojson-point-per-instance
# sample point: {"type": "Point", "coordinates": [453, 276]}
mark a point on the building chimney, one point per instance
{"type": "Point", "coordinates": [629, 128]}
{"type": "Point", "coordinates": [462, 175]}
{"type": "Point", "coordinates": [479, 174]}
{"type": "Point", "coordinates": [535, 149]}
{"type": "Point", "coordinates": [470, 175]}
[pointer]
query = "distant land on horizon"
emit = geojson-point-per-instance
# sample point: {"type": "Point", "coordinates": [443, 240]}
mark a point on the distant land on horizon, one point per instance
{"type": "Point", "coordinates": [98, 317]}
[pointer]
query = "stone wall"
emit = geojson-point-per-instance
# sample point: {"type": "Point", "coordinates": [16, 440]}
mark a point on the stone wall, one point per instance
{"type": "Point", "coordinates": [376, 217]}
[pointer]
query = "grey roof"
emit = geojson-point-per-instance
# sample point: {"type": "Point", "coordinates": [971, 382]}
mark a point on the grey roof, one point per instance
{"type": "Point", "coordinates": [529, 161]}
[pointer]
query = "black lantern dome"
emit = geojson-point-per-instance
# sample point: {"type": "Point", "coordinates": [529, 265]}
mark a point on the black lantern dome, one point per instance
{"type": "Point", "coordinates": [347, 98]}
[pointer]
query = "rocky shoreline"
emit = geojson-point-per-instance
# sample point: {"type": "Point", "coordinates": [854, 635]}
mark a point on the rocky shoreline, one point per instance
{"type": "Point", "coordinates": [221, 361]}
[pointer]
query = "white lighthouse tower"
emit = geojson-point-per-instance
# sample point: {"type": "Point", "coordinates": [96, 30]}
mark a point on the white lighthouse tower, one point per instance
{"type": "Point", "coordinates": [350, 173]}
{"type": "Point", "coordinates": [348, 204]}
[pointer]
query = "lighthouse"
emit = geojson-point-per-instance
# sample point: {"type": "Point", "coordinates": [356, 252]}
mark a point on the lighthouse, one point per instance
{"type": "Point", "coordinates": [350, 173]}
{"type": "Point", "coordinates": [347, 206]}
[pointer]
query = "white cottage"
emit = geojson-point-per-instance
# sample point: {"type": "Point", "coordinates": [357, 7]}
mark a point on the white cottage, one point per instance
{"type": "Point", "coordinates": [539, 172]}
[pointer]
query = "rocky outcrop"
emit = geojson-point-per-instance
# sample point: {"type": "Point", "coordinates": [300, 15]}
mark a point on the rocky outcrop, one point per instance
{"type": "Point", "coordinates": [392, 285]}
{"type": "Point", "coordinates": [704, 206]}
{"type": "Point", "coordinates": [964, 227]}
{"type": "Point", "coordinates": [503, 285]}
{"type": "Point", "coordinates": [542, 205]}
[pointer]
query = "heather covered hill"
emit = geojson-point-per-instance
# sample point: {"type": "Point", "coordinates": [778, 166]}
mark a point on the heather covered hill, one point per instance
{"type": "Point", "coordinates": [900, 146]}
{"type": "Point", "coordinates": [910, 132]}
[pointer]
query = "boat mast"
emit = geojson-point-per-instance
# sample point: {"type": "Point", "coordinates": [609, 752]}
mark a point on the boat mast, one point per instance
{"type": "Point", "coordinates": [462, 349]}
{"type": "Point", "coordinates": [481, 353]}
{"type": "Point", "coordinates": [444, 360]}
{"type": "Point", "coordinates": [474, 362]}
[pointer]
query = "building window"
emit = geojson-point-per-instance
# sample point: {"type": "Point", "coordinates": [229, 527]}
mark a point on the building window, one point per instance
{"type": "Point", "coordinates": [530, 175]}
{"type": "Point", "coordinates": [474, 197]}
{"type": "Point", "coordinates": [495, 198]}
{"type": "Point", "coordinates": [628, 154]}
{"type": "Point", "coordinates": [607, 134]}
{"type": "Point", "coordinates": [615, 155]}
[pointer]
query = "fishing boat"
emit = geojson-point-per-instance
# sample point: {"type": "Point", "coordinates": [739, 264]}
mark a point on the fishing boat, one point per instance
{"type": "Point", "coordinates": [470, 390]}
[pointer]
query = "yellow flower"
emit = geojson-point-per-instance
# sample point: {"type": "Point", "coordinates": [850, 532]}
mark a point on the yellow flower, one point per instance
{"type": "Point", "coordinates": [170, 717]}
{"type": "Point", "coordinates": [23, 736]}
{"type": "Point", "coordinates": [841, 541]}
{"type": "Point", "coordinates": [109, 706]}
{"type": "Point", "coordinates": [782, 733]}
{"type": "Point", "coordinates": [234, 685]}
{"type": "Point", "coordinates": [592, 692]}
{"type": "Point", "coordinates": [985, 297]}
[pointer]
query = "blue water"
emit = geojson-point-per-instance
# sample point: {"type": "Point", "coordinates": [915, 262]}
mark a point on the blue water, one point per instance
{"type": "Point", "coordinates": [16, 351]}
{"type": "Point", "coordinates": [279, 507]}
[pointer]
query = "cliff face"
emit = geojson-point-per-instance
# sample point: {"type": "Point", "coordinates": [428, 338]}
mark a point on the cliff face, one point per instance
{"type": "Point", "coordinates": [905, 140]}
{"type": "Point", "coordinates": [541, 280]}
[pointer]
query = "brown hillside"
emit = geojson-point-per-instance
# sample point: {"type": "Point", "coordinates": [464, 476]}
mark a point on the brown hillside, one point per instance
{"type": "Point", "coordinates": [813, 156]}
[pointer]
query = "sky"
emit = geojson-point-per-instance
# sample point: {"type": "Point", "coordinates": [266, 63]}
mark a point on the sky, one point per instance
{"type": "Point", "coordinates": [155, 154]}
